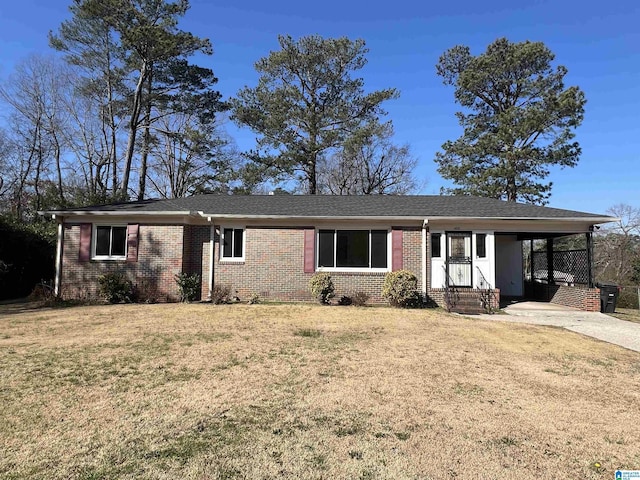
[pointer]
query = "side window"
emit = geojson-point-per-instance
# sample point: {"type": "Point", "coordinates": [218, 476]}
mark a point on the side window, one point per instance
{"type": "Point", "coordinates": [232, 244]}
{"type": "Point", "coordinates": [481, 245]}
{"type": "Point", "coordinates": [110, 242]}
{"type": "Point", "coordinates": [436, 245]}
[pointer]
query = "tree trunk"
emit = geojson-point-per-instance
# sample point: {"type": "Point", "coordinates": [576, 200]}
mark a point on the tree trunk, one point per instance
{"type": "Point", "coordinates": [146, 140]}
{"type": "Point", "coordinates": [313, 177]}
{"type": "Point", "coordinates": [133, 129]}
{"type": "Point", "coordinates": [58, 168]}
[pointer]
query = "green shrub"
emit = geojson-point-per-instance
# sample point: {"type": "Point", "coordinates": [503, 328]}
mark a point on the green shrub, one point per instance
{"type": "Point", "coordinates": [321, 287]}
{"type": "Point", "coordinates": [188, 286]}
{"type": "Point", "coordinates": [27, 253]}
{"type": "Point", "coordinates": [220, 294]}
{"type": "Point", "coordinates": [360, 299]}
{"type": "Point", "coordinates": [115, 287]}
{"type": "Point", "coordinates": [400, 288]}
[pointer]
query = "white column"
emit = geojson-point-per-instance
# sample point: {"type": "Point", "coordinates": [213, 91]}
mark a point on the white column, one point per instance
{"type": "Point", "coordinates": [59, 247]}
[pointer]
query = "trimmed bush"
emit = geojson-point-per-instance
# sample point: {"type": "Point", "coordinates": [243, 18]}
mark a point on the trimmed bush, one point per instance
{"type": "Point", "coordinates": [115, 287]}
{"type": "Point", "coordinates": [254, 299]}
{"type": "Point", "coordinates": [360, 299]}
{"type": "Point", "coordinates": [220, 294]}
{"type": "Point", "coordinates": [321, 287]}
{"type": "Point", "coordinates": [400, 288]}
{"type": "Point", "coordinates": [188, 286]}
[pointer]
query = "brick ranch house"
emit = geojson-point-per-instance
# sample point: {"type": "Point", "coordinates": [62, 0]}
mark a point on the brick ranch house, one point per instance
{"type": "Point", "coordinates": [466, 252]}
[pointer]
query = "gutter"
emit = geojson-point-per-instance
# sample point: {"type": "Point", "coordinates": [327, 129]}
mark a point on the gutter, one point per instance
{"type": "Point", "coordinates": [201, 214]}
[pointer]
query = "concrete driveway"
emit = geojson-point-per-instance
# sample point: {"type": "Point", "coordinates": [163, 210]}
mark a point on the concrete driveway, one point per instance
{"type": "Point", "coordinates": [593, 324]}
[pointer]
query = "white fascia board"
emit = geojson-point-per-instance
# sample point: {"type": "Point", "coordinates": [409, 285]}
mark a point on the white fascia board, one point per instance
{"type": "Point", "coordinates": [303, 217]}
{"type": "Point", "coordinates": [592, 220]}
{"type": "Point", "coordinates": [387, 218]}
{"type": "Point", "coordinates": [118, 213]}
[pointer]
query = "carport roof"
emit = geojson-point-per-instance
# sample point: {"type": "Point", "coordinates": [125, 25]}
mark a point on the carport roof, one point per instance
{"type": "Point", "coordinates": [335, 206]}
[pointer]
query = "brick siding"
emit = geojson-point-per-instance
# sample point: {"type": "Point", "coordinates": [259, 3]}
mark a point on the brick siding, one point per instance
{"type": "Point", "coordinates": [576, 296]}
{"type": "Point", "coordinates": [160, 257]}
{"type": "Point", "coordinates": [197, 247]}
{"type": "Point", "coordinates": [273, 267]}
{"type": "Point", "coordinates": [412, 252]}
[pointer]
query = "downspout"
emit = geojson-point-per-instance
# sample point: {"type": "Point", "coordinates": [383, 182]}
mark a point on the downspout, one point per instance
{"type": "Point", "coordinates": [59, 253]}
{"type": "Point", "coordinates": [211, 255]}
{"type": "Point", "coordinates": [425, 258]}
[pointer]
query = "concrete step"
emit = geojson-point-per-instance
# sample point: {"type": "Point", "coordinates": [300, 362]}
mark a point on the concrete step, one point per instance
{"type": "Point", "coordinates": [467, 310]}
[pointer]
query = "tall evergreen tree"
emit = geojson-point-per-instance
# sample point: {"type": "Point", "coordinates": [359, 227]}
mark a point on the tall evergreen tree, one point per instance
{"type": "Point", "coordinates": [518, 121]}
{"type": "Point", "coordinates": [151, 57]}
{"type": "Point", "coordinates": [306, 105]}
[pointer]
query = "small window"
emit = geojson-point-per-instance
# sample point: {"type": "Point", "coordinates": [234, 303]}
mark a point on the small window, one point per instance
{"type": "Point", "coordinates": [435, 245]}
{"type": "Point", "coordinates": [232, 244]}
{"type": "Point", "coordinates": [481, 245]}
{"type": "Point", "coordinates": [110, 242]}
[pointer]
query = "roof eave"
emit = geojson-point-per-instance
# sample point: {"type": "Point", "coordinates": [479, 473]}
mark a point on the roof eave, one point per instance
{"type": "Point", "coordinates": [191, 213]}
{"type": "Point", "coordinates": [544, 219]}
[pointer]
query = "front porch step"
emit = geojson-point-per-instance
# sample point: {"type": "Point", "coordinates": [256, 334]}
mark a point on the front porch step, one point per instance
{"type": "Point", "coordinates": [467, 309]}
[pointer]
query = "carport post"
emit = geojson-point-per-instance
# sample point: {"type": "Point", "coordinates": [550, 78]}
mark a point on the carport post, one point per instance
{"type": "Point", "coordinates": [589, 257]}
{"type": "Point", "coordinates": [550, 277]}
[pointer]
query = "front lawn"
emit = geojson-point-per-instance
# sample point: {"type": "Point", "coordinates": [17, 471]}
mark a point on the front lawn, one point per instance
{"type": "Point", "coordinates": [303, 391]}
{"type": "Point", "coordinates": [629, 314]}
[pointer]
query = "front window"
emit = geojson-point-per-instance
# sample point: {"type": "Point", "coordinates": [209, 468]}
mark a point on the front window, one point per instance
{"type": "Point", "coordinates": [232, 244]}
{"type": "Point", "coordinates": [352, 249]}
{"type": "Point", "coordinates": [110, 242]}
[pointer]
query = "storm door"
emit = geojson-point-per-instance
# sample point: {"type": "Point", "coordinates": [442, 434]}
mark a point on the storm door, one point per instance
{"type": "Point", "coordinates": [459, 259]}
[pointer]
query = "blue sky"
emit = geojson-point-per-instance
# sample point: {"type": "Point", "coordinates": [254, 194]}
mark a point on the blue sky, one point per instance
{"type": "Point", "coordinates": [599, 42]}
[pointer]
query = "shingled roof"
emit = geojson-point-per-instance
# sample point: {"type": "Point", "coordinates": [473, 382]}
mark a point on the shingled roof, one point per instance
{"type": "Point", "coordinates": [334, 206]}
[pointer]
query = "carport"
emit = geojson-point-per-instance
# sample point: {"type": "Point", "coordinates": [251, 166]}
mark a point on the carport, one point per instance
{"type": "Point", "coordinates": [551, 267]}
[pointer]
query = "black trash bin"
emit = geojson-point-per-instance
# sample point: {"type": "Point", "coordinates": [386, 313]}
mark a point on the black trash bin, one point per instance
{"type": "Point", "coordinates": [608, 297]}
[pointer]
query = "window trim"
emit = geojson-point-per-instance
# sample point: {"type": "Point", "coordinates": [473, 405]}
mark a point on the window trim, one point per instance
{"type": "Point", "coordinates": [232, 259]}
{"type": "Point", "coordinates": [352, 269]}
{"type": "Point", "coordinates": [94, 241]}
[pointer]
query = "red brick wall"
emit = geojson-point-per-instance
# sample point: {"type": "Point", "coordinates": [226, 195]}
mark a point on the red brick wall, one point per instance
{"type": "Point", "coordinates": [412, 252]}
{"type": "Point", "coordinates": [160, 253]}
{"type": "Point", "coordinates": [587, 299]}
{"type": "Point", "coordinates": [577, 296]}
{"type": "Point", "coordinates": [274, 267]}
{"type": "Point", "coordinates": [197, 241]}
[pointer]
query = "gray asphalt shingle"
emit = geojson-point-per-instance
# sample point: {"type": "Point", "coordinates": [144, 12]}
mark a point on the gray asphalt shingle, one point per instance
{"type": "Point", "coordinates": [345, 206]}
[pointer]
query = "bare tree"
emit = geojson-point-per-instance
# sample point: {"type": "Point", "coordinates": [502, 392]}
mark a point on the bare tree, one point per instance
{"type": "Point", "coordinates": [34, 94]}
{"type": "Point", "coordinates": [189, 156]}
{"type": "Point", "coordinates": [369, 164]}
{"type": "Point", "coordinates": [617, 247]}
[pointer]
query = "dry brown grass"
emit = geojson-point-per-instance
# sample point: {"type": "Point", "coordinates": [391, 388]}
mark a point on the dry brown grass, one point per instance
{"type": "Point", "coordinates": [302, 391]}
{"type": "Point", "coordinates": [629, 314]}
